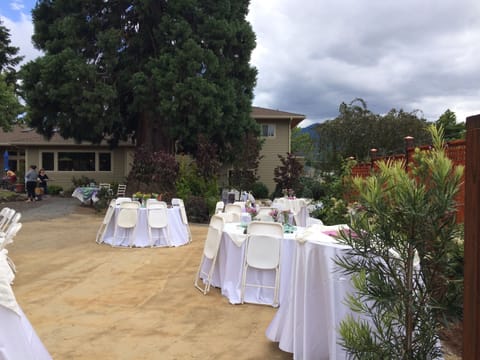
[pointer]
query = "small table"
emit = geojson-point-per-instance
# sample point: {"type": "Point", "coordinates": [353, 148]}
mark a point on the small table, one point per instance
{"type": "Point", "coordinates": [178, 230]}
{"type": "Point", "coordinates": [86, 194]}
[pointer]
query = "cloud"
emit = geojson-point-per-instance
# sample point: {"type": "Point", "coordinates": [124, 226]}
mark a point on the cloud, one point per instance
{"type": "Point", "coordinates": [314, 54]}
{"type": "Point", "coordinates": [21, 32]}
{"type": "Point", "coordinates": [16, 5]}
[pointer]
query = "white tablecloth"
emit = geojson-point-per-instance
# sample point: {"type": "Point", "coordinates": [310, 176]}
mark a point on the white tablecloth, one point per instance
{"type": "Point", "coordinates": [229, 266]}
{"type": "Point", "coordinates": [18, 339]}
{"type": "Point", "coordinates": [178, 230]}
{"type": "Point", "coordinates": [85, 194]}
{"type": "Point", "coordinates": [306, 322]}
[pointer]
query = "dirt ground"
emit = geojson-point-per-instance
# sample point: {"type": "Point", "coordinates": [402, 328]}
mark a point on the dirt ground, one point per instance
{"type": "Point", "coordinates": [90, 301]}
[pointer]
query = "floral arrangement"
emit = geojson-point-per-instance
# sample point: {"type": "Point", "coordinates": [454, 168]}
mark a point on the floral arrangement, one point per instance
{"type": "Point", "coordinates": [274, 214]}
{"type": "Point", "coordinates": [144, 196]}
{"type": "Point", "coordinates": [252, 210]}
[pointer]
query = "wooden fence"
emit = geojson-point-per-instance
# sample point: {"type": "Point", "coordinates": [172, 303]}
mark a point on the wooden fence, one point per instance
{"type": "Point", "coordinates": [455, 150]}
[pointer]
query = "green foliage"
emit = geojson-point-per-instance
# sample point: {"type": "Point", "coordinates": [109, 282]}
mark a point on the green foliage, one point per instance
{"type": "Point", "coordinates": [259, 190]}
{"type": "Point", "coordinates": [244, 172]}
{"type": "Point", "coordinates": [163, 71]}
{"type": "Point", "coordinates": [302, 144]}
{"type": "Point", "coordinates": [452, 130]}
{"type": "Point", "coordinates": [356, 130]}
{"type": "Point", "coordinates": [82, 181]}
{"type": "Point", "coordinates": [104, 197]}
{"type": "Point", "coordinates": [288, 174]}
{"type": "Point", "coordinates": [404, 235]}
{"type": "Point", "coordinates": [54, 189]}
{"type": "Point", "coordinates": [312, 188]}
{"type": "Point", "coordinates": [10, 106]}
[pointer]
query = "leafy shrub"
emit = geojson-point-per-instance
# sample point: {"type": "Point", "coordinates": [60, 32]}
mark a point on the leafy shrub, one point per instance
{"type": "Point", "coordinates": [153, 171]}
{"type": "Point", "coordinates": [259, 190]}
{"type": "Point", "coordinates": [54, 189]}
{"type": "Point", "coordinates": [82, 181]}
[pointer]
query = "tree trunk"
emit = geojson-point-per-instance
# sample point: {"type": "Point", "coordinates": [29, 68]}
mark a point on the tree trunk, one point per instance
{"type": "Point", "coordinates": [153, 134]}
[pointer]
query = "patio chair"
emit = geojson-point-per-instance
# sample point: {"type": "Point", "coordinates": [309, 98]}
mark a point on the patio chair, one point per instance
{"type": "Point", "coordinates": [126, 221]}
{"type": "Point", "coordinates": [121, 190]}
{"type": "Point", "coordinates": [106, 221]}
{"type": "Point", "coordinates": [210, 251]}
{"type": "Point", "coordinates": [157, 218]}
{"type": "Point", "coordinates": [233, 212]}
{"type": "Point", "coordinates": [219, 207]}
{"type": "Point", "coordinates": [262, 252]}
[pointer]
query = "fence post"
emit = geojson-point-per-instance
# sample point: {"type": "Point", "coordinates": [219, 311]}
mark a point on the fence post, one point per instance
{"type": "Point", "coordinates": [471, 302]}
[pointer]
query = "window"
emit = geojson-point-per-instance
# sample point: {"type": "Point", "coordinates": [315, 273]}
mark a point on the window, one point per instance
{"type": "Point", "coordinates": [268, 130]}
{"type": "Point", "coordinates": [76, 161]}
{"type": "Point", "coordinates": [48, 161]}
{"type": "Point", "coordinates": [104, 162]}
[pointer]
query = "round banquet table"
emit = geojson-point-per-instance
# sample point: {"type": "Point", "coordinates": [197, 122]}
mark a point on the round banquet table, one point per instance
{"type": "Point", "coordinates": [177, 230]}
{"type": "Point", "coordinates": [18, 339]}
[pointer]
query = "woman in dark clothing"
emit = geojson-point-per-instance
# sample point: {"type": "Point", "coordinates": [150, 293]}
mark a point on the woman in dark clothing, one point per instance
{"type": "Point", "coordinates": [42, 180]}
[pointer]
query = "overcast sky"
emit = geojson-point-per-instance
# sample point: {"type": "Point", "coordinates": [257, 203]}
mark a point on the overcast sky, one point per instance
{"type": "Point", "coordinates": [312, 55]}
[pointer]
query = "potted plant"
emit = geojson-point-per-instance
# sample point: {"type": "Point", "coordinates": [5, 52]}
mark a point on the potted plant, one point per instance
{"type": "Point", "coordinates": [20, 184]}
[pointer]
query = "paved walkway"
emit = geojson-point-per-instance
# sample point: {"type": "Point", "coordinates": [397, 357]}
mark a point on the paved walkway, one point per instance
{"type": "Point", "coordinates": [51, 207]}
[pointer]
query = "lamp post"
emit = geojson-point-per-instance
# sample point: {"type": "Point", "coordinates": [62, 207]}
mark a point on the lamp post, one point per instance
{"type": "Point", "coordinates": [408, 144]}
{"type": "Point", "coordinates": [373, 157]}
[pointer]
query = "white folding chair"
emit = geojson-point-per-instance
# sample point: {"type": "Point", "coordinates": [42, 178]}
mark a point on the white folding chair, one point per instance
{"type": "Point", "coordinates": [7, 216]}
{"type": "Point", "coordinates": [233, 212]}
{"type": "Point", "coordinates": [262, 252]}
{"type": "Point", "coordinates": [264, 212]}
{"type": "Point", "coordinates": [106, 221]}
{"type": "Point", "coordinates": [126, 221]}
{"type": "Point", "coordinates": [120, 200]}
{"type": "Point", "coordinates": [219, 207]}
{"type": "Point", "coordinates": [210, 251]}
{"type": "Point", "coordinates": [156, 202]}
{"type": "Point", "coordinates": [157, 218]}
{"type": "Point", "coordinates": [179, 202]}
{"type": "Point", "coordinates": [104, 186]}
{"type": "Point", "coordinates": [121, 190]}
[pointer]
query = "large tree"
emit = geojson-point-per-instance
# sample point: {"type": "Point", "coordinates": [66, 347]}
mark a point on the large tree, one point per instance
{"type": "Point", "coordinates": [356, 130]}
{"type": "Point", "coordinates": [160, 71]}
{"type": "Point", "coordinates": [10, 107]}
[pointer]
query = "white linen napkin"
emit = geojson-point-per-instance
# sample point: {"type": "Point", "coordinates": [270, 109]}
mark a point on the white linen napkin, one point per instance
{"type": "Point", "coordinates": [235, 233]}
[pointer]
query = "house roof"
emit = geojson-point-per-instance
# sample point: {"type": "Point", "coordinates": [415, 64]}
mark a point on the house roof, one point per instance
{"type": "Point", "coordinates": [263, 113]}
{"type": "Point", "coordinates": [21, 136]}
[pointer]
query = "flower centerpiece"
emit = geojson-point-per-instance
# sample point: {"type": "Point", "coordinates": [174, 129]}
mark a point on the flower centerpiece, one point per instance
{"type": "Point", "coordinates": [274, 214]}
{"type": "Point", "coordinates": [252, 210]}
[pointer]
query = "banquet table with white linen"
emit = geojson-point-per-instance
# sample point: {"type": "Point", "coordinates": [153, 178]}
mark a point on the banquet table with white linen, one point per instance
{"type": "Point", "coordinates": [229, 266]}
{"type": "Point", "coordinates": [86, 194]}
{"type": "Point", "coordinates": [177, 230]}
{"type": "Point", "coordinates": [306, 323]}
{"type": "Point", "coordinates": [18, 339]}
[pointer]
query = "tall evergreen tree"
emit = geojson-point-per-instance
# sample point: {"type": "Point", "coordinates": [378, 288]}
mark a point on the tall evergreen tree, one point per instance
{"type": "Point", "coordinates": [10, 106]}
{"type": "Point", "coordinates": [161, 71]}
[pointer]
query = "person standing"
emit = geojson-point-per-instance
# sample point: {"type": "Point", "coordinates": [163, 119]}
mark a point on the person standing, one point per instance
{"type": "Point", "coordinates": [31, 182]}
{"type": "Point", "coordinates": [42, 181]}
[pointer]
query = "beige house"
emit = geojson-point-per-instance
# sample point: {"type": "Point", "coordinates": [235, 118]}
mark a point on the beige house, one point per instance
{"type": "Point", "coordinates": [64, 159]}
